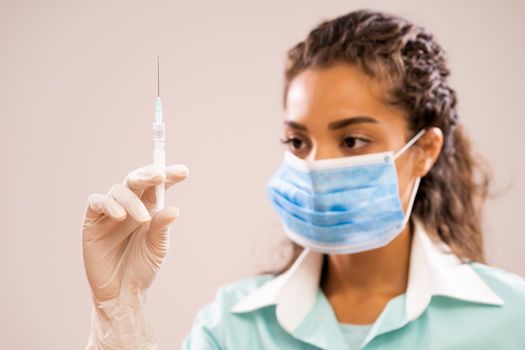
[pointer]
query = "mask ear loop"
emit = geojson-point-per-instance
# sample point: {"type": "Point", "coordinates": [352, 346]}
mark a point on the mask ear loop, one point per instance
{"type": "Point", "coordinates": [410, 143]}
{"type": "Point", "coordinates": [412, 200]}
{"type": "Point", "coordinates": [418, 179]}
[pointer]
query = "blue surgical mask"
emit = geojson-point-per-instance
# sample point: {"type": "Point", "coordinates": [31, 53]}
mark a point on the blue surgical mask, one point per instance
{"type": "Point", "coordinates": [341, 205]}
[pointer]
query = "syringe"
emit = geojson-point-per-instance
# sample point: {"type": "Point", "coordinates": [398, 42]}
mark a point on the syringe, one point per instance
{"type": "Point", "coordinates": [159, 142]}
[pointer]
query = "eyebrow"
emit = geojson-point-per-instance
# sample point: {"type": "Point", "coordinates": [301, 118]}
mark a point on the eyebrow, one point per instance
{"type": "Point", "coordinates": [337, 124]}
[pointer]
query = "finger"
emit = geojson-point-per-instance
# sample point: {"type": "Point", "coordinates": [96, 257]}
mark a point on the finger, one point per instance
{"type": "Point", "coordinates": [173, 174]}
{"type": "Point", "coordinates": [140, 179]}
{"type": "Point", "coordinates": [130, 202]}
{"type": "Point", "coordinates": [100, 204]}
{"type": "Point", "coordinates": [157, 236]}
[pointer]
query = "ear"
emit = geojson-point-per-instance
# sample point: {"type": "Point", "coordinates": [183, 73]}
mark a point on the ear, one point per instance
{"type": "Point", "coordinates": [429, 146]}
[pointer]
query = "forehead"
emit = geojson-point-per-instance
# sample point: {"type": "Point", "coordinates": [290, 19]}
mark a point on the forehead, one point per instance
{"type": "Point", "coordinates": [333, 91]}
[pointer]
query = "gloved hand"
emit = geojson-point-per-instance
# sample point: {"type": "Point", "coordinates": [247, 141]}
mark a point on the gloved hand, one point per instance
{"type": "Point", "coordinates": [124, 244]}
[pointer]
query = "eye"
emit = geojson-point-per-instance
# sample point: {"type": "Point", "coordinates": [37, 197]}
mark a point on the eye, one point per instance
{"type": "Point", "coordinates": [353, 142]}
{"type": "Point", "coordinates": [295, 143]}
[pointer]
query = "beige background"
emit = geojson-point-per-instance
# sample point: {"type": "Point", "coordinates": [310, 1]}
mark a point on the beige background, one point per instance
{"type": "Point", "coordinates": [77, 86]}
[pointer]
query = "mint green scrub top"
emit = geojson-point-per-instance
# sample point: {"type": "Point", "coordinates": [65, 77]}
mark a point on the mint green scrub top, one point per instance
{"type": "Point", "coordinates": [446, 323]}
{"type": "Point", "coordinates": [355, 334]}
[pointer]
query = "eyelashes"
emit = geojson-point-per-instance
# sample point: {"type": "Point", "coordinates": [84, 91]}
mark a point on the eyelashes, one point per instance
{"type": "Point", "coordinates": [289, 140]}
{"type": "Point", "coordinates": [348, 142]}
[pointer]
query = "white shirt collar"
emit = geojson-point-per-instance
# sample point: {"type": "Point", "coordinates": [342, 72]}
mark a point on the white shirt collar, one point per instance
{"type": "Point", "coordinates": [433, 270]}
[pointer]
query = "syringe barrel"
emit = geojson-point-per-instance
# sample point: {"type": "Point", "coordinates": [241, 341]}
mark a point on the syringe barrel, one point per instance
{"type": "Point", "coordinates": [159, 160]}
{"type": "Point", "coordinates": [159, 132]}
{"type": "Point", "coordinates": [159, 144]}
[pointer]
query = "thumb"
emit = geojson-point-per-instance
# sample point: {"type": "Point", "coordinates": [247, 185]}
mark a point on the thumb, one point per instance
{"type": "Point", "coordinates": [157, 236]}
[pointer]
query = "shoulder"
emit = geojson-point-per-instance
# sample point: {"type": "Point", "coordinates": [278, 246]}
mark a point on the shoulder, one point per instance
{"type": "Point", "coordinates": [214, 326]}
{"type": "Point", "coordinates": [226, 296]}
{"type": "Point", "coordinates": [508, 286]}
{"type": "Point", "coordinates": [506, 283]}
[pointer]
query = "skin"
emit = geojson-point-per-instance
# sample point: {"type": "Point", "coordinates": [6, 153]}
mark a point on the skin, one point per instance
{"type": "Point", "coordinates": [358, 286]}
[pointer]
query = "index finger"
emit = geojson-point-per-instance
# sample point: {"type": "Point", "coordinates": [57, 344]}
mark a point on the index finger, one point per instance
{"type": "Point", "coordinates": [175, 173]}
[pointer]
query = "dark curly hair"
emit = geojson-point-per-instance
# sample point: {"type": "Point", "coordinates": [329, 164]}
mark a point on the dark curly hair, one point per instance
{"type": "Point", "coordinates": [413, 66]}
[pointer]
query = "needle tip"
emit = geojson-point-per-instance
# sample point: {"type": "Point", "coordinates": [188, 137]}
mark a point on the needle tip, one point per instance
{"type": "Point", "coordinates": [158, 76]}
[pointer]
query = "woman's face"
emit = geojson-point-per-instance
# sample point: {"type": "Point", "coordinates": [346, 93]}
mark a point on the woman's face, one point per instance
{"type": "Point", "coordinates": [339, 111]}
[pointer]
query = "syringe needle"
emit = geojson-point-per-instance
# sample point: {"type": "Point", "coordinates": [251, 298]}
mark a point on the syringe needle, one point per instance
{"type": "Point", "coordinates": [159, 140]}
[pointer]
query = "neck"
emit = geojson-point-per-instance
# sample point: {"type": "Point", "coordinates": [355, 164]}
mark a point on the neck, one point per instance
{"type": "Point", "coordinates": [382, 271]}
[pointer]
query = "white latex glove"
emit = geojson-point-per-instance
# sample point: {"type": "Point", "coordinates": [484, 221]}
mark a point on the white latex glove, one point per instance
{"type": "Point", "coordinates": [124, 244]}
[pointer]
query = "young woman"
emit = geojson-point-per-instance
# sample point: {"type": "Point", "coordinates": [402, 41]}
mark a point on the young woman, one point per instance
{"type": "Point", "coordinates": [379, 192]}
